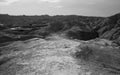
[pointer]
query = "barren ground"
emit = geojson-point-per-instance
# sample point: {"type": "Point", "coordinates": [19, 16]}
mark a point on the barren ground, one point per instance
{"type": "Point", "coordinates": [45, 57]}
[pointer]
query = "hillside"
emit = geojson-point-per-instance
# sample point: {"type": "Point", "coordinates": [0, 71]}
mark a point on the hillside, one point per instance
{"type": "Point", "coordinates": [110, 28]}
{"type": "Point", "coordinates": [20, 27]}
{"type": "Point", "coordinates": [75, 27]}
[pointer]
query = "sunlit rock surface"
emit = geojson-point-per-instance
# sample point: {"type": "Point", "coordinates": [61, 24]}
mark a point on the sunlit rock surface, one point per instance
{"type": "Point", "coordinates": [59, 56]}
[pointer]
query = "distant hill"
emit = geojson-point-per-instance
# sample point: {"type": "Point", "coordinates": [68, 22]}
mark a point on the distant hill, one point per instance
{"type": "Point", "coordinates": [73, 26]}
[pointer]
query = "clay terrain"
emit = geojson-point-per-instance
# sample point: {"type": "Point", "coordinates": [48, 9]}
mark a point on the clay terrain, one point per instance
{"type": "Point", "coordinates": [59, 45]}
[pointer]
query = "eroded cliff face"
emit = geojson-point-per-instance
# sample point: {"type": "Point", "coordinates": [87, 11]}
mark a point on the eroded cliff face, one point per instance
{"type": "Point", "coordinates": [109, 28]}
{"type": "Point", "coordinates": [59, 56]}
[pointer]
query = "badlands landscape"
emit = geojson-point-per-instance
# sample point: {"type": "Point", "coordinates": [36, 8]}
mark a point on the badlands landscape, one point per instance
{"type": "Point", "coordinates": [59, 45]}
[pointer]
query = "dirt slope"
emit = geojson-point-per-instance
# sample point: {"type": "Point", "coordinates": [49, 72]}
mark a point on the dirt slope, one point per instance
{"type": "Point", "coordinates": [46, 57]}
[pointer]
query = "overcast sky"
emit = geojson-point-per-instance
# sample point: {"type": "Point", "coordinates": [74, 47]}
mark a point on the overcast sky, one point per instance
{"type": "Point", "coordinates": [60, 7]}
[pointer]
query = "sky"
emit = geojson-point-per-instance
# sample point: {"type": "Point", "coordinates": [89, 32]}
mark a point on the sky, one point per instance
{"type": "Point", "coordinates": [60, 7]}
